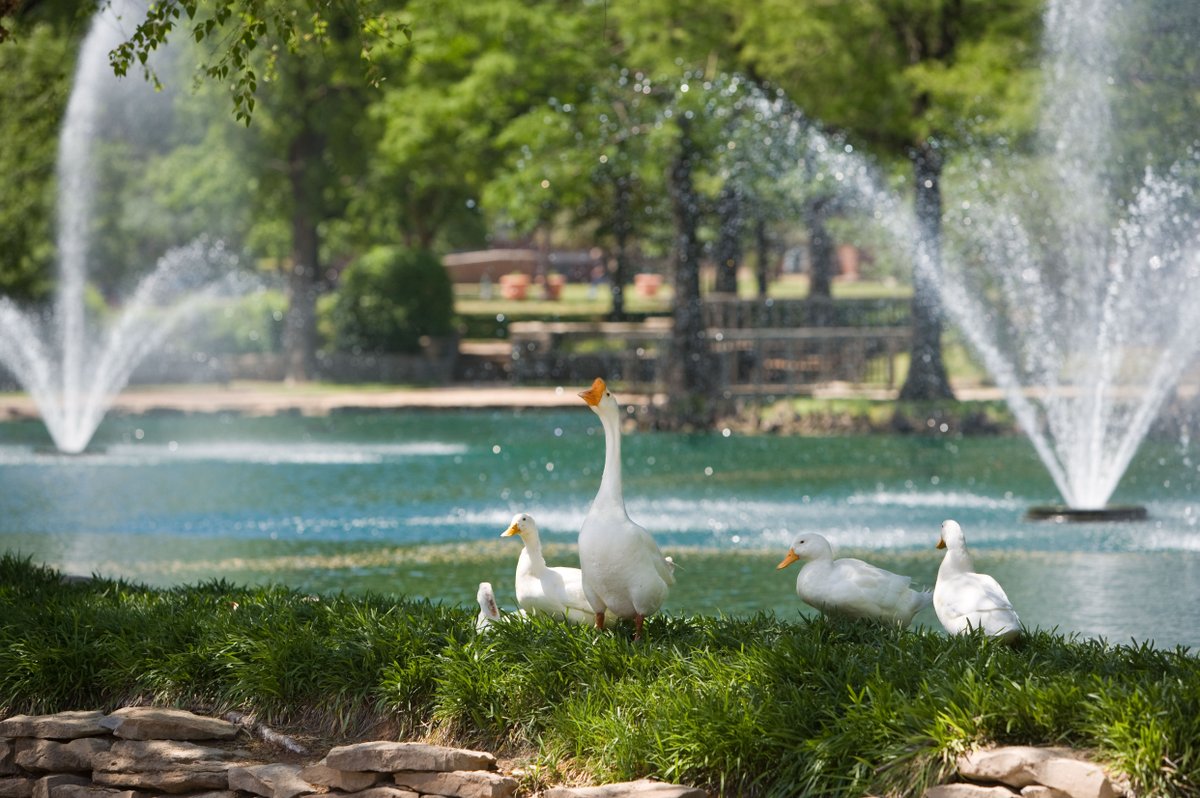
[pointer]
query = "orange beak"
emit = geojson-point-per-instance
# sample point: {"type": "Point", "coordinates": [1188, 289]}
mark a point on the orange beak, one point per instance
{"type": "Point", "coordinates": [512, 530]}
{"type": "Point", "coordinates": [592, 395]}
{"type": "Point", "coordinates": [788, 560]}
{"type": "Point", "coordinates": [941, 544]}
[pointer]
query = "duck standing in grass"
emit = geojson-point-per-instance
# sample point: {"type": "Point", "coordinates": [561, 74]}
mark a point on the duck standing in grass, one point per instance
{"type": "Point", "coordinates": [964, 599]}
{"type": "Point", "coordinates": [851, 587]}
{"type": "Point", "coordinates": [558, 591]}
{"type": "Point", "coordinates": [624, 573]}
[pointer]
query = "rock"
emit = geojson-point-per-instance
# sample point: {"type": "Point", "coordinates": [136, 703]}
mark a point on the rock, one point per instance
{"type": "Point", "coordinates": [155, 723]}
{"type": "Point", "coordinates": [1024, 766]}
{"type": "Point", "coordinates": [627, 789]}
{"type": "Point", "coordinates": [92, 791]}
{"type": "Point", "coordinates": [49, 756]}
{"type": "Point", "coordinates": [165, 766]}
{"type": "Point", "coordinates": [269, 781]}
{"type": "Point", "coordinates": [49, 786]}
{"type": "Point", "coordinates": [382, 791]}
{"type": "Point", "coordinates": [160, 754]}
{"type": "Point", "coordinates": [388, 757]}
{"type": "Point", "coordinates": [1075, 777]}
{"type": "Point", "coordinates": [458, 783]}
{"type": "Point", "coordinates": [1012, 765]}
{"type": "Point", "coordinates": [1041, 791]}
{"type": "Point", "coordinates": [969, 791]}
{"type": "Point", "coordinates": [60, 726]}
{"type": "Point", "coordinates": [172, 780]}
{"type": "Point", "coordinates": [16, 788]}
{"type": "Point", "coordinates": [343, 780]}
{"type": "Point", "coordinates": [7, 766]}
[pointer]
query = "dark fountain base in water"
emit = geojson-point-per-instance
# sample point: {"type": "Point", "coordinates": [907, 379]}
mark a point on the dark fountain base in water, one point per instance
{"type": "Point", "coordinates": [49, 449]}
{"type": "Point", "coordinates": [1060, 513]}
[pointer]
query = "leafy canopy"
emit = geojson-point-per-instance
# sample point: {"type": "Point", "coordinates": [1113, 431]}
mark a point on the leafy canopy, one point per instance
{"type": "Point", "coordinates": [242, 27]}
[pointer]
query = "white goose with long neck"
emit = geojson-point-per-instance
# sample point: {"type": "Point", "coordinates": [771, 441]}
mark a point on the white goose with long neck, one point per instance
{"type": "Point", "coordinates": [964, 599]}
{"type": "Point", "coordinates": [624, 572]}
{"type": "Point", "coordinates": [542, 590]}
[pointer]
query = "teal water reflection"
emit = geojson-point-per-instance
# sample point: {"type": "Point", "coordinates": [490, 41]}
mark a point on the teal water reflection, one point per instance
{"type": "Point", "coordinates": [412, 502]}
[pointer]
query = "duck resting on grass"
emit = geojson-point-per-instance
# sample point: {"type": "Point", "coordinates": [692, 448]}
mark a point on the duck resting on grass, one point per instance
{"type": "Point", "coordinates": [851, 587]}
{"type": "Point", "coordinates": [489, 612]}
{"type": "Point", "coordinates": [542, 590]}
{"type": "Point", "coordinates": [964, 599]}
{"type": "Point", "coordinates": [624, 573]}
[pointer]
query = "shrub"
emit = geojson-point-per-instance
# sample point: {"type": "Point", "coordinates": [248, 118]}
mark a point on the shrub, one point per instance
{"type": "Point", "coordinates": [388, 299]}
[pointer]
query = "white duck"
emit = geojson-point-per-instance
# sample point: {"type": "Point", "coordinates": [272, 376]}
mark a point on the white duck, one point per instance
{"type": "Point", "coordinates": [851, 587]}
{"type": "Point", "coordinates": [541, 589]}
{"type": "Point", "coordinates": [489, 612]}
{"type": "Point", "coordinates": [966, 600]}
{"type": "Point", "coordinates": [624, 573]}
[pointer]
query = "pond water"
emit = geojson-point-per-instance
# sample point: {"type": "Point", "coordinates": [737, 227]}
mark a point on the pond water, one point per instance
{"type": "Point", "coordinates": [413, 503]}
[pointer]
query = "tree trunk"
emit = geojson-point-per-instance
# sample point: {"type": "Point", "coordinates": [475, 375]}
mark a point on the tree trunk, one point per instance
{"type": "Point", "coordinates": [621, 225]}
{"type": "Point", "coordinates": [822, 255]}
{"type": "Point", "coordinates": [690, 373]}
{"type": "Point", "coordinates": [300, 327]}
{"type": "Point", "coordinates": [729, 239]}
{"type": "Point", "coordinates": [926, 371]}
{"type": "Point", "coordinates": [762, 247]}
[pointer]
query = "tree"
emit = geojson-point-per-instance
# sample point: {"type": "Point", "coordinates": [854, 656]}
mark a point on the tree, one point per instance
{"type": "Point", "coordinates": [926, 73]}
{"type": "Point", "coordinates": [592, 166]}
{"type": "Point", "coordinates": [34, 84]}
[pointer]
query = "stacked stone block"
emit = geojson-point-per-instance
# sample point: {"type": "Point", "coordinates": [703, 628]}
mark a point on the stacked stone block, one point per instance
{"type": "Point", "coordinates": [147, 752]}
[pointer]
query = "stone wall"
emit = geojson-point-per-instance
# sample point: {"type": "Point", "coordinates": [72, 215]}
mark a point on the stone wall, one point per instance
{"type": "Point", "coordinates": [147, 752]}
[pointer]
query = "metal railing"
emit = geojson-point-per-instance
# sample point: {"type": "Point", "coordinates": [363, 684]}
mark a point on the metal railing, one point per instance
{"type": "Point", "coordinates": [748, 361]}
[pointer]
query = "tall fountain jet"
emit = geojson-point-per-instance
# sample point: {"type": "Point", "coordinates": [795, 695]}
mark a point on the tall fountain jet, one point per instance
{"type": "Point", "coordinates": [1083, 303]}
{"type": "Point", "coordinates": [69, 365]}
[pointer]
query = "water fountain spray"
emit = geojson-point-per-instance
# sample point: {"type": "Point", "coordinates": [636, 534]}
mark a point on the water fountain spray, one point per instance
{"type": "Point", "coordinates": [72, 368]}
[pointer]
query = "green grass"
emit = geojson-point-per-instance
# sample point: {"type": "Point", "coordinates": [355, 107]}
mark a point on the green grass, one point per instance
{"type": "Point", "coordinates": [745, 706]}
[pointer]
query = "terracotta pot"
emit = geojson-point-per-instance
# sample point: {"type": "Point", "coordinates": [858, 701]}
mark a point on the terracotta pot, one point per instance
{"type": "Point", "coordinates": [514, 286]}
{"type": "Point", "coordinates": [647, 284]}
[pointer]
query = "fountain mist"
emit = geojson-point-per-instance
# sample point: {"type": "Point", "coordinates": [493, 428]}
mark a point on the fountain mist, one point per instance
{"type": "Point", "coordinates": [1084, 307]}
{"type": "Point", "coordinates": [70, 368]}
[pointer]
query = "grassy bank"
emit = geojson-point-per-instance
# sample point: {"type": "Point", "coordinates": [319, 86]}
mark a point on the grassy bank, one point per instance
{"type": "Point", "coordinates": [748, 706]}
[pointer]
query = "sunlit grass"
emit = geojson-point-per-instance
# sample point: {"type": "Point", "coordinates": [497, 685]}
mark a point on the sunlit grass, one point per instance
{"type": "Point", "coordinates": [746, 706]}
{"type": "Point", "coordinates": [579, 299]}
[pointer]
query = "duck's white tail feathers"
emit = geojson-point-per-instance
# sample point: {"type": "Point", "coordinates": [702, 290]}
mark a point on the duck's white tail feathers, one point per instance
{"type": "Point", "coordinates": [489, 611]}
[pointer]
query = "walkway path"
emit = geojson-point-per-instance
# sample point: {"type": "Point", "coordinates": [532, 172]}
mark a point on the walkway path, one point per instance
{"type": "Point", "coordinates": [269, 398]}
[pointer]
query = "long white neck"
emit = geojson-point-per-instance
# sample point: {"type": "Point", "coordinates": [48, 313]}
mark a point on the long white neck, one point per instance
{"type": "Point", "coordinates": [531, 555]}
{"type": "Point", "coordinates": [610, 482]}
{"type": "Point", "coordinates": [957, 561]}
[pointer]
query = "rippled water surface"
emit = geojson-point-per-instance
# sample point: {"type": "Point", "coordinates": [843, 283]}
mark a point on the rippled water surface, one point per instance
{"type": "Point", "coordinates": [414, 502]}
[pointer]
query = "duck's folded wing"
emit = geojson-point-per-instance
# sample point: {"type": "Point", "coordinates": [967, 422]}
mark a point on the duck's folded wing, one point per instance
{"type": "Point", "coordinates": [968, 593]}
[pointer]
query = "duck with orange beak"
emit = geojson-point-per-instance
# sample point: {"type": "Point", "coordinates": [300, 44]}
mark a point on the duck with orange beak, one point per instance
{"type": "Point", "coordinates": [964, 599]}
{"type": "Point", "coordinates": [541, 589]}
{"type": "Point", "coordinates": [851, 587]}
{"type": "Point", "coordinates": [624, 572]}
